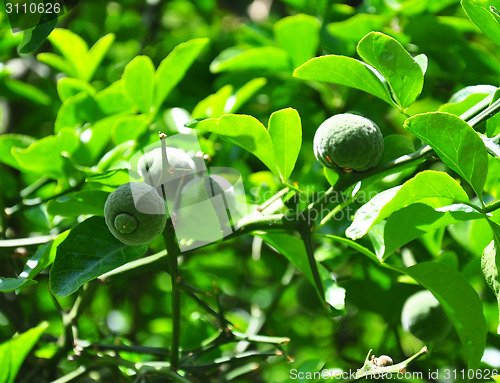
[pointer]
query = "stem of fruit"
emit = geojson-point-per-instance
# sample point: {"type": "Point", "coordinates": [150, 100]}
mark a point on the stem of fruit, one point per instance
{"type": "Point", "coordinates": [173, 252]}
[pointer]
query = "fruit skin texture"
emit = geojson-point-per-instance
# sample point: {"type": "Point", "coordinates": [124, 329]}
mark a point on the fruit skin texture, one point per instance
{"type": "Point", "coordinates": [135, 213]}
{"type": "Point", "coordinates": [424, 317]}
{"type": "Point", "coordinates": [348, 141]}
{"type": "Point", "coordinates": [181, 168]}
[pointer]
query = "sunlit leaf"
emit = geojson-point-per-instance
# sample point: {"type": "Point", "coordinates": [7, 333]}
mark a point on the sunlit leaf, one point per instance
{"type": "Point", "coordinates": [456, 143]}
{"type": "Point", "coordinates": [403, 74]}
{"type": "Point", "coordinates": [482, 13]}
{"type": "Point", "coordinates": [14, 351]}
{"type": "Point", "coordinates": [245, 131]}
{"type": "Point", "coordinates": [299, 36]}
{"type": "Point", "coordinates": [286, 134]}
{"type": "Point", "coordinates": [425, 186]}
{"type": "Point", "coordinates": [236, 59]}
{"type": "Point", "coordinates": [173, 68]}
{"type": "Point", "coordinates": [138, 82]}
{"type": "Point", "coordinates": [345, 71]}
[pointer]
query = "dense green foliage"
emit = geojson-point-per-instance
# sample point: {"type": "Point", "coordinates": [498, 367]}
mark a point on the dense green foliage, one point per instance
{"type": "Point", "coordinates": [312, 267]}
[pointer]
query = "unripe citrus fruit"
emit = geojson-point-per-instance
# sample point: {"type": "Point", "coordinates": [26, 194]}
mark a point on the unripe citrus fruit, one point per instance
{"type": "Point", "coordinates": [348, 141]}
{"type": "Point", "coordinates": [424, 317]}
{"type": "Point", "coordinates": [135, 213]}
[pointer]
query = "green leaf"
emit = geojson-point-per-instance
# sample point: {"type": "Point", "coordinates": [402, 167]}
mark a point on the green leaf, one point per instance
{"type": "Point", "coordinates": [27, 91]}
{"type": "Point", "coordinates": [129, 128]}
{"type": "Point", "coordinates": [96, 138]}
{"type": "Point", "coordinates": [331, 176]}
{"type": "Point", "coordinates": [56, 62]}
{"type": "Point", "coordinates": [415, 220]}
{"type": "Point", "coordinates": [456, 143]}
{"type": "Point", "coordinates": [33, 38]}
{"type": "Point", "coordinates": [14, 351]}
{"type": "Point", "coordinates": [482, 13]}
{"type": "Point", "coordinates": [138, 81]}
{"type": "Point", "coordinates": [345, 71]}
{"type": "Point", "coordinates": [294, 250]}
{"type": "Point", "coordinates": [90, 202]}
{"type": "Point", "coordinates": [174, 67]}
{"type": "Point", "coordinates": [244, 94]}
{"type": "Point", "coordinates": [73, 48]}
{"type": "Point", "coordinates": [472, 236]}
{"type": "Point", "coordinates": [422, 61]}
{"type": "Point", "coordinates": [45, 155]}
{"type": "Point", "coordinates": [452, 289]}
{"type": "Point", "coordinates": [463, 93]}
{"type": "Point", "coordinates": [495, 227]}
{"type": "Point", "coordinates": [95, 56]}
{"type": "Point", "coordinates": [68, 87]}
{"type": "Point", "coordinates": [245, 131]}
{"type": "Point", "coordinates": [426, 186]}
{"type": "Point", "coordinates": [458, 108]}
{"type": "Point", "coordinates": [214, 105]}
{"type": "Point", "coordinates": [299, 36]}
{"type": "Point", "coordinates": [354, 28]}
{"type": "Point", "coordinates": [353, 245]}
{"type": "Point", "coordinates": [89, 251]}
{"type": "Point", "coordinates": [490, 270]}
{"type": "Point", "coordinates": [285, 130]}
{"type": "Point", "coordinates": [237, 59]}
{"type": "Point", "coordinates": [76, 111]}
{"type": "Point", "coordinates": [112, 99]}
{"type": "Point", "coordinates": [42, 258]}
{"type": "Point", "coordinates": [395, 146]}
{"type": "Point", "coordinates": [9, 141]}
{"type": "Point", "coordinates": [8, 285]}
{"type": "Point", "coordinates": [112, 178]}
{"type": "Point", "coordinates": [116, 155]}
{"type": "Point", "coordinates": [403, 74]}
{"type": "Point", "coordinates": [334, 294]}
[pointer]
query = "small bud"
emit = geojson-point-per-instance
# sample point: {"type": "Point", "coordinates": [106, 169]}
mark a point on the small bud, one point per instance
{"type": "Point", "coordinates": [384, 361]}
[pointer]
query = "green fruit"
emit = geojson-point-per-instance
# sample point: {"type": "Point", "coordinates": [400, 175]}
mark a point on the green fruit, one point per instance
{"type": "Point", "coordinates": [348, 141]}
{"type": "Point", "coordinates": [424, 317]}
{"type": "Point", "coordinates": [135, 213]}
{"type": "Point", "coordinates": [180, 168]}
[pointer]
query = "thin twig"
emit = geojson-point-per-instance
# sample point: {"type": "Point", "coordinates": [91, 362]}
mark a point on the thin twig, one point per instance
{"type": "Point", "coordinates": [173, 252]}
